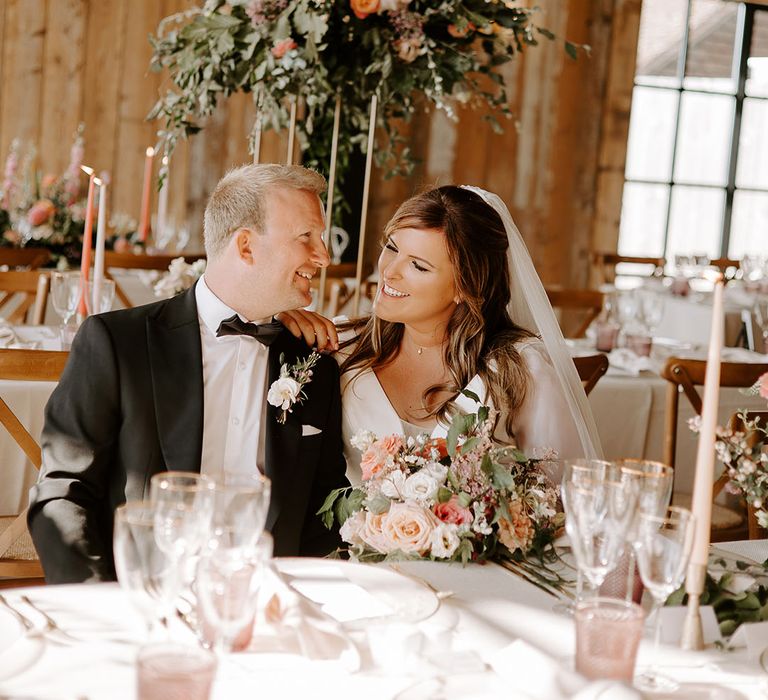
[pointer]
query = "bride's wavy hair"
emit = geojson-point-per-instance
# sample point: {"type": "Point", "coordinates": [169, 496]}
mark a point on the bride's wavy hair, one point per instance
{"type": "Point", "coordinates": [481, 335]}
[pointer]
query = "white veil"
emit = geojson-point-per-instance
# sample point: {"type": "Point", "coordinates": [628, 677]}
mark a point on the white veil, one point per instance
{"type": "Point", "coordinates": [529, 307]}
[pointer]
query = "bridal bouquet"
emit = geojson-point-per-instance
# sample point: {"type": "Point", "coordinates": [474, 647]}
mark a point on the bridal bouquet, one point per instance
{"type": "Point", "coordinates": [456, 499]}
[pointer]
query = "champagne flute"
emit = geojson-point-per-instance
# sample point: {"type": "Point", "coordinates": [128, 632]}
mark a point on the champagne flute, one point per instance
{"type": "Point", "coordinates": [241, 502]}
{"type": "Point", "coordinates": [663, 547]}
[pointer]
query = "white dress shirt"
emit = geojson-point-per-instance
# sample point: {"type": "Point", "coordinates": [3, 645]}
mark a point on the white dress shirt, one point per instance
{"type": "Point", "coordinates": [234, 391]}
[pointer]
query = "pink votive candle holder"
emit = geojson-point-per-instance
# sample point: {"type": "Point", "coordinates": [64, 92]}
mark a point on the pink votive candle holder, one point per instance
{"type": "Point", "coordinates": [608, 633]}
{"type": "Point", "coordinates": [607, 333]}
{"type": "Point", "coordinates": [639, 344]}
{"type": "Point", "coordinates": [170, 671]}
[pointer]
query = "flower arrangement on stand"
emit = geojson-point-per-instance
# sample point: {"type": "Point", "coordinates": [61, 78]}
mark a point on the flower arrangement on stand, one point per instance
{"type": "Point", "coordinates": [181, 275]}
{"type": "Point", "coordinates": [462, 499]}
{"type": "Point", "coordinates": [43, 212]}
{"type": "Point", "coordinates": [445, 53]}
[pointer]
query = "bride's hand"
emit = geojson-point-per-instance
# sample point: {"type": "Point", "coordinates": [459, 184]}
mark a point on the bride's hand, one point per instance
{"type": "Point", "coordinates": [316, 330]}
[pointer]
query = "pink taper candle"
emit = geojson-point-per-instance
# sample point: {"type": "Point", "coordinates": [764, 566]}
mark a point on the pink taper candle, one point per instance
{"type": "Point", "coordinates": [146, 194]}
{"type": "Point", "coordinates": [85, 257]}
{"type": "Point", "coordinates": [705, 455]}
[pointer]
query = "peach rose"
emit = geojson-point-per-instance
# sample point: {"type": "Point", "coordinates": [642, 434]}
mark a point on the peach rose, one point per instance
{"type": "Point", "coordinates": [408, 527]}
{"type": "Point", "coordinates": [12, 236]}
{"type": "Point", "coordinates": [122, 245]}
{"type": "Point", "coordinates": [518, 532]}
{"type": "Point", "coordinates": [40, 212]}
{"type": "Point", "coordinates": [452, 512]}
{"type": "Point", "coordinates": [49, 180]}
{"type": "Point", "coordinates": [372, 532]}
{"type": "Point", "coordinates": [283, 47]}
{"type": "Point", "coordinates": [373, 461]}
{"type": "Point", "coordinates": [392, 444]}
{"type": "Point", "coordinates": [363, 8]}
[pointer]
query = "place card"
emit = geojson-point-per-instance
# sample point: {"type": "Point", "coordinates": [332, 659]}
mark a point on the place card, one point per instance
{"type": "Point", "coordinates": [753, 635]}
{"type": "Point", "coordinates": [673, 619]}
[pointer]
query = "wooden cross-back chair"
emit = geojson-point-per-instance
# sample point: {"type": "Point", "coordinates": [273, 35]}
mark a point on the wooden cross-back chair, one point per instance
{"type": "Point", "coordinates": [604, 265]}
{"type": "Point", "coordinates": [754, 438]}
{"type": "Point", "coordinates": [129, 261]}
{"type": "Point", "coordinates": [728, 266]}
{"type": "Point", "coordinates": [32, 286]}
{"type": "Point", "coordinates": [683, 376]}
{"type": "Point", "coordinates": [590, 369]}
{"type": "Point", "coordinates": [18, 560]}
{"type": "Point", "coordinates": [31, 258]}
{"type": "Point", "coordinates": [585, 303]}
{"type": "Point", "coordinates": [338, 293]}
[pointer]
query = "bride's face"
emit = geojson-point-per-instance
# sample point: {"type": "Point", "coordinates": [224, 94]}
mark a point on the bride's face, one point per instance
{"type": "Point", "coordinates": [416, 279]}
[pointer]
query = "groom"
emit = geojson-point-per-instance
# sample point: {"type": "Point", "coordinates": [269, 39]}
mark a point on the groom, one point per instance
{"type": "Point", "coordinates": [181, 385]}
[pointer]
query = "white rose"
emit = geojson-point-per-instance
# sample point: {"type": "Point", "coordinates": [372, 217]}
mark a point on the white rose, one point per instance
{"type": "Point", "coordinates": [445, 540]}
{"type": "Point", "coordinates": [421, 486]}
{"type": "Point", "coordinates": [392, 485]}
{"type": "Point", "coordinates": [389, 5]}
{"type": "Point", "coordinates": [408, 527]}
{"type": "Point", "coordinates": [437, 471]}
{"type": "Point", "coordinates": [362, 440]}
{"type": "Point", "coordinates": [350, 530]}
{"type": "Point", "coordinates": [284, 392]}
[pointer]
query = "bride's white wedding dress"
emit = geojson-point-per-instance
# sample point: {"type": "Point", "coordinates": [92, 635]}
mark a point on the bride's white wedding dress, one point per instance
{"type": "Point", "coordinates": [544, 421]}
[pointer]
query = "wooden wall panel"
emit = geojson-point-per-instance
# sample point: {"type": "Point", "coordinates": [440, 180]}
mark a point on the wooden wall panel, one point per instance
{"type": "Point", "coordinates": [63, 80]}
{"type": "Point", "coordinates": [558, 164]}
{"type": "Point", "coordinates": [21, 105]}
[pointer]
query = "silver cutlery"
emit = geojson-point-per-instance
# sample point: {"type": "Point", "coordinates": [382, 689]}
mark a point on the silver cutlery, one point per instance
{"type": "Point", "coordinates": [23, 620]}
{"type": "Point", "coordinates": [51, 626]}
{"type": "Point", "coordinates": [441, 595]}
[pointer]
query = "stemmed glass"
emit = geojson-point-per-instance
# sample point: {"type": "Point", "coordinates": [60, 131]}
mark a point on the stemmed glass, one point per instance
{"type": "Point", "coordinates": [599, 502]}
{"type": "Point", "coordinates": [144, 570]}
{"type": "Point", "coordinates": [663, 547]}
{"type": "Point", "coordinates": [654, 481]}
{"type": "Point", "coordinates": [241, 502]}
{"type": "Point", "coordinates": [183, 510]}
{"type": "Point", "coordinates": [652, 309]}
{"type": "Point", "coordinates": [65, 295]}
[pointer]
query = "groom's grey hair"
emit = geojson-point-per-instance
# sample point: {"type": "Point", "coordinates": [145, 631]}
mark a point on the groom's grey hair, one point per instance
{"type": "Point", "coordinates": [239, 200]}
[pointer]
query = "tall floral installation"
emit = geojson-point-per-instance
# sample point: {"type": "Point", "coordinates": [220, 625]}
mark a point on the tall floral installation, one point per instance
{"type": "Point", "coordinates": [43, 211]}
{"type": "Point", "coordinates": [404, 51]}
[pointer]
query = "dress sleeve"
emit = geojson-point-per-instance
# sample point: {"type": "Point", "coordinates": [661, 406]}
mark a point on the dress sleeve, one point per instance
{"type": "Point", "coordinates": [544, 421]}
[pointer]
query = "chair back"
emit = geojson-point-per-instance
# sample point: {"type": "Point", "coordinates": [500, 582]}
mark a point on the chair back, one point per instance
{"type": "Point", "coordinates": [604, 265]}
{"type": "Point", "coordinates": [754, 438]}
{"type": "Point", "coordinates": [577, 309]}
{"type": "Point", "coordinates": [130, 261]}
{"type": "Point", "coordinates": [590, 369]}
{"type": "Point", "coordinates": [728, 266]}
{"type": "Point", "coordinates": [28, 287]}
{"type": "Point", "coordinates": [18, 560]}
{"type": "Point", "coordinates": [31, 258]}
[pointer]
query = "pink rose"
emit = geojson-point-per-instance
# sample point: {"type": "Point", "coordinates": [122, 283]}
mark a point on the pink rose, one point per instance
{"type": "Point", "coordinates": [452, 512]}
{"type": "Point", "coordinates": [373, 461]}
{"type": "Point", "coordinates": [518, 532]}
{"type": "Point", "coordinates": [408, 527]}
{"type": "Point", "coordinates": [283, 47]}
{"type": "Point", "coordinates": [40, 212]}
{"type": "Point", "coordinates": [122, 245]}
{"type": "Point", "coordinates": [762, 386]}
{"type": "Point", "coordinates": [392, 444]}
{"type": "Point", "coordinates": [371, 532]}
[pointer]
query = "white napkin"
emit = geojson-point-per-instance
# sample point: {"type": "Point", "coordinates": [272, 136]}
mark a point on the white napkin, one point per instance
{"type": "Point", "coordinates": [7, 334]}
{"type": "Point", "coordinates": [541, 677]}
{"type": "Point", "coordinates": [298, 626]}
{"type": "Point", "coordinates": [627, 361]}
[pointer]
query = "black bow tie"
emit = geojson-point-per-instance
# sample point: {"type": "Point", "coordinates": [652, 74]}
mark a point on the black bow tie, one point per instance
{"type": "Point", "coordinates": [263, 332]}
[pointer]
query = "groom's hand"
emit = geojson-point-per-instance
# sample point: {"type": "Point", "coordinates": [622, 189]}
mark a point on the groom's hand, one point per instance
{"type": "Point", "coordinates": [316, 330]}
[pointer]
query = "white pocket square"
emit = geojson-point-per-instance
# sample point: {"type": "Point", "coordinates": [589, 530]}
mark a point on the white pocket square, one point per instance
{"type": "Point", "coordinates": [310, 430]}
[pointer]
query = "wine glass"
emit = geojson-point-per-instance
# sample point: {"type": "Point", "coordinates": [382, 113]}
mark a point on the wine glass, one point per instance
{"type": "Point", "coordinates": [241, 502]}
{"type": "Point", "coordinates": [65, 296]}
{"type": "Point", "coordinates": [144, 571]}
{"type": "Point", "coordinates": [651, 308]}
{"type": "Point", "coordinates": [226, 585]}
{"type": "Point", "coordinates": [598, 513]}
{"type": "Point", "coordinates": [662, 547]}
{"type": "Point", "coordinates": [654, 481]}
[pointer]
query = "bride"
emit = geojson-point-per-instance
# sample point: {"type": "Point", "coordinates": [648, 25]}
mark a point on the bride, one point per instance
{"type": "Point", "coordinates": [459, 306]}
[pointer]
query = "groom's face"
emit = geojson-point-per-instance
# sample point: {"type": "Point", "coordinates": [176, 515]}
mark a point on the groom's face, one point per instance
{"type": "Point", "coordinates": [290, 250]}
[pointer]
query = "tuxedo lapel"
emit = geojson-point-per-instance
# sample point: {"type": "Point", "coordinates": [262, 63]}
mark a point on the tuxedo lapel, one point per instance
{"type": "Point", "coordinates": [282, 439]}
{"type": "Point", "coordinates": [176, 364]}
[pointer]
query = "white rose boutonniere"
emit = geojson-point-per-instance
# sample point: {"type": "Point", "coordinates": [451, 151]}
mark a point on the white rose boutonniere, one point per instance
{"type": "Point", "coordinates": [288, 389]}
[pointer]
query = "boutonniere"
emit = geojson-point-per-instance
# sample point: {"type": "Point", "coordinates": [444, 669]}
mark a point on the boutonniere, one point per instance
{"type": "Point", "coordinates": [289, 388]}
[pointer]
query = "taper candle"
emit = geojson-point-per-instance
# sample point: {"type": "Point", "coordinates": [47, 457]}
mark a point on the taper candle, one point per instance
{"type": "Point", "coordinates": [146, 195]}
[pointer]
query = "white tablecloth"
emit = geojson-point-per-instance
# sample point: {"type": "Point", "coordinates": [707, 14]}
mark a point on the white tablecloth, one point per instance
{"type": "Point", "coordinates": [489, 609]}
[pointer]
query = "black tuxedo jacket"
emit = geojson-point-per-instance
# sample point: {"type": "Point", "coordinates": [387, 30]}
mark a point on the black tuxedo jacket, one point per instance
{"type": "Point", "coordinates": [130, 405]}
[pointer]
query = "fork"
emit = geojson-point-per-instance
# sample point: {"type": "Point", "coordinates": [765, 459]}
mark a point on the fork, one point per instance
{"type": "Point", "coordinates": [23, 620]}
{"type": "Point", "coordinates": [51, 626]}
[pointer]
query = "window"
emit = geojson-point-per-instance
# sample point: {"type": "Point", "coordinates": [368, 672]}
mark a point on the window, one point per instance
{"type": "Point", "coordinates": [696, 178]}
